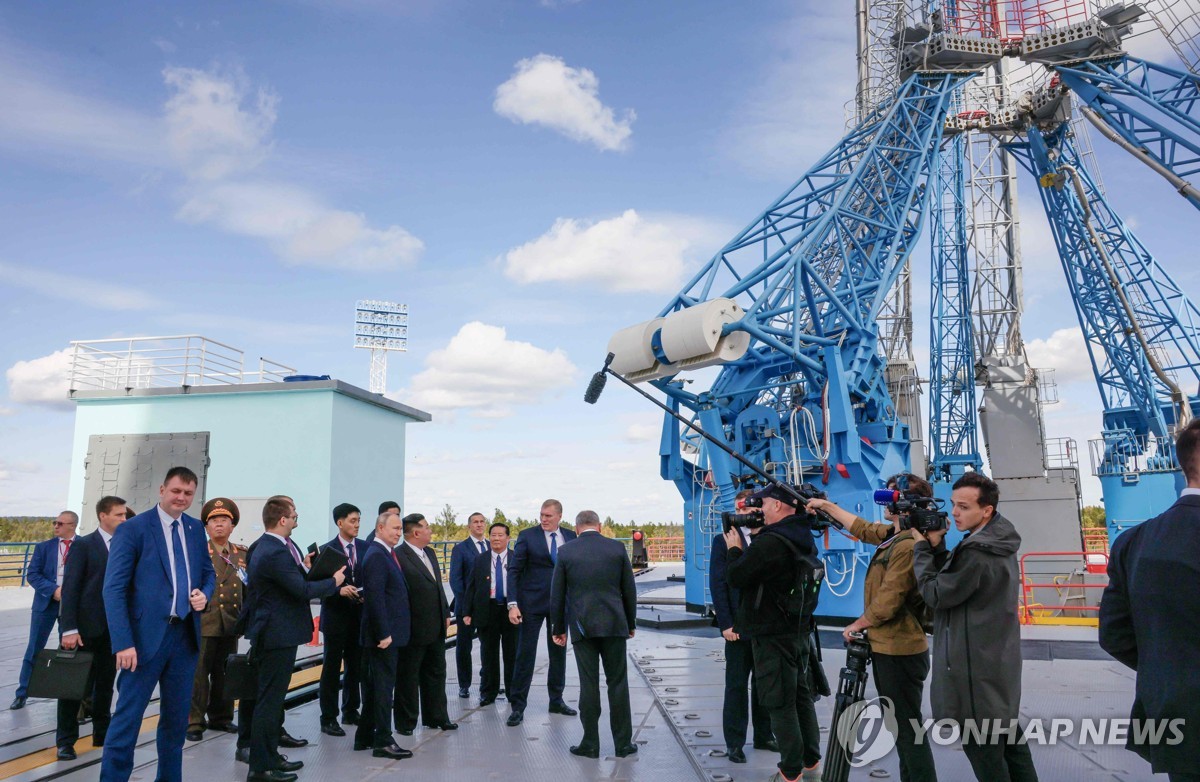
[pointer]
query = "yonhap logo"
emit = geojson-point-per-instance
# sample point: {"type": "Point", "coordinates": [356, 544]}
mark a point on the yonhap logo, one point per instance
{"type": "Point", "coordinates": [866, 730]}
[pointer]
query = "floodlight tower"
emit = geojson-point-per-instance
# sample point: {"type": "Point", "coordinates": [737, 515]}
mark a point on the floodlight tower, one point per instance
{"type": "Point", "coordinates": [381, 327]}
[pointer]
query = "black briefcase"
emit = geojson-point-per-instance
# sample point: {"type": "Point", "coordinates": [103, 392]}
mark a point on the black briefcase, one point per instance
{"type": "Point", "coordinates": [241, 677]}
{"type": "Point", "coordinates": [60, 674]}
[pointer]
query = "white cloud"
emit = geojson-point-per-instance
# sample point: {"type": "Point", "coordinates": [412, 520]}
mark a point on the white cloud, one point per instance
{"type": "Point", "coordinates": [42, 381]}
{"type": "Point", "coordinates": [215, 126]}
{"type": "Point", "coordinates": [1065, 352]}
{"type": "Point", "coordinates": [623, 254]}
{"type": "Point", "coordinates": [544, 90]}
{"type": "Point", "coordinates": [642, 433]}
{"type": "Point", "coordinates": [300, 229]}
{"type": "Point", "coordinates": [81, 290]}
{"type": "Point", "coordinates": [788, 120]}
{"type": "Point", "coordinates": [483, 371]}
{"type": "Point", "coordinates": [164, 46]}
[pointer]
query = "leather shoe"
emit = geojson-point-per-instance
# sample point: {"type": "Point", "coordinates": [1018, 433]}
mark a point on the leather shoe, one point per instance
{"type": "Point", "coordinates": [194, 735]}
{"type": "Point", "coordinates": [271, 776]}
{"type": "Point", "coordinates": [627, 750]}
{"type": "Point", "coordinates": [404, 731]}
{"type": "Point", "coordinates": [464, 692]}
{"type": "Point", "coordinates": [242, 755]}
{"type": "Point", "coordinates": [66, 753]}
{"type": "Point", "coordinates": [515, 719]}
{"type": "Point", "coordinates": [771, 745]}
{"type": "Point", "coordinates": [350, 717]}
{"type": "Point", "coordinates": [18, 703]}
{"type": "Point", "coordinates": [736, 754]}
{"type": "Point", "coordinates": [332, 729]}
{"type": "Point", "coordinates": [225, 727]}
{"type": "Point", "coordinates": [447, 725]}
{"type": "Point", "coordinates": [393, 751]}
{"type": "Point", "coordinates": [584, 751]}
{"type": "Point", "coordinates": [291, 742]}
{"type": "Point", "coordinates": [287, 766]}
{"type": "Point", "coordinates": [486, 701]}
{"type": "Point", "coordinates": [360, 747]}
{"type": "Point", "coordinates": [562, 708]}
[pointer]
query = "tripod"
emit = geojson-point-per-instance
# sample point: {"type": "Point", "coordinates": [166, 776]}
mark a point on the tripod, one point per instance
{"type": "Point", "coordinates": [852, 682]}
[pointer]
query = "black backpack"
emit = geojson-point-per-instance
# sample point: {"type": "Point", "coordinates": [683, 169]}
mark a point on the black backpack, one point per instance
{"type": "Point", "coordinates": [801, 601]}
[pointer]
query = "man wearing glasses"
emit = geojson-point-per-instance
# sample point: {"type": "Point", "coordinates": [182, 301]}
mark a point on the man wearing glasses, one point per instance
{"type": "Point", "coordinates": [45, 575]}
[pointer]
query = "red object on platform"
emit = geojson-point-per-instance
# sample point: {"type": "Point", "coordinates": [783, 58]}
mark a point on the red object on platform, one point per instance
{"type": "Point", "coordinates": [842, 471]}
{"type": "Point", "coordinates": [316, 639]}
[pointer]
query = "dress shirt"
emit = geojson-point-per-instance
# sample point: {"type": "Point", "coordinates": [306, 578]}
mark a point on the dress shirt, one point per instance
{"type": "Point", "coordinates": [549, 535]}
{"type": "Point", "coordinates": [166, 522]}
{"type": "Point", "coordinates": [1189, 490]}
{"type": "Point", "coordinates": [63, 552]}
{"type": "Point", "coordinates": [106, 537]}
{"type": "Point", "coordinates": [348, 550]}
{"type": "Point", "coordinates": [424, 559]}
{"type": "Point", "coordinates": [480, 544]}
{"type": "Point", "coordinates": [503, 557]}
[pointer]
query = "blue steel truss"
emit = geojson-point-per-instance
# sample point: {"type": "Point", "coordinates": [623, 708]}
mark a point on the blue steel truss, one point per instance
{"type": "Point", "coordinates": [953, 435]}
{"type": "Point", "coordinates": [1153, 107]}
{"type": "Point", "coordinates": [812, 273]}
{"type": "Point", "coordinates": [1138, 405]}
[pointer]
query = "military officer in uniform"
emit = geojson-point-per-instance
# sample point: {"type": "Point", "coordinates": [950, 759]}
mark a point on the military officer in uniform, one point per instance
{"type": "Point", "coordinates": [219, 638]}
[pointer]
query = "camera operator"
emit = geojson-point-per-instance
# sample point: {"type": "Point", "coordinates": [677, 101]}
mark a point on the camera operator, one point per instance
{"type": "Point", "coordinates": [892, 609]}
{"type": "Point", "coordinates": [973, 591]}
{"type": "Point", "coordinates": [766, 573]}
{"type": "Point", "coordinates": [737, 710]}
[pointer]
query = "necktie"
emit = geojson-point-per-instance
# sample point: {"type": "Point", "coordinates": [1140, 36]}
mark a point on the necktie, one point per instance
{"type": "Point", "coordinates": [396, 559]}
{"type": "Point", "coordinates": [428, 564]}
{"type": "Point", "coordinates": [480, 544]}
{"type": "Point", "coordinates": [295, 554]}
{"type": "Point", "coordinates": [350, 553]}
{"type": "Point", "coordinates": [181, 579]}
{"type": "Point", "coordinates": [66, 551]}
{"type": "Point", "coordinates": [554, 547]}
{"type": "Point", "coordinates": [499, 579]}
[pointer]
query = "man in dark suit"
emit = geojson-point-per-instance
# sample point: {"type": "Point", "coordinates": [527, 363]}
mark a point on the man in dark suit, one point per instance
{"type": "Point", "coordinates": [593, 593]}
{"type": "Point", "coordinates": [218, 623]}
{"type": "Point", "coordinates": [341, 615]}
{"type": "Point", "coordinates": [530, 571]}
{"type": "Point", "coordinates": [84, 626]}
{"type": "Point", "coordinates": [421, 685]}
{"type": "Point", "coordinates": [281, 621]}
{"type": "Point", "coordinates": [462, 557]}
{"type": "Point", "coordinates": [246, 703]}
{"type": "Point", "coordinates": [390, 507]}
{"type": "Point", "coordinates": [159, 579]}
{"type": "Point", "coordinates": [1147, 619]}
{"type": "Point", "coordinates": [45, 575]}
{"type": "Point", "coordinates": [485, 611]}
{"type": "Point", "coordinates": [737, 709]}
{"type": "Point", "coordinates": [385, 629]}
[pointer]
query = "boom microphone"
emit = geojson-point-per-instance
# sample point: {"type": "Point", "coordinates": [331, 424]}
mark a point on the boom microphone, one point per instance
{"type": "Point", "coordinates": [596, 387]}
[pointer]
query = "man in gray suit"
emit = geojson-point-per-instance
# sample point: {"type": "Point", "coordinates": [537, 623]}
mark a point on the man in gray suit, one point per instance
{"type": "Point", "coordinates": [593, 593]}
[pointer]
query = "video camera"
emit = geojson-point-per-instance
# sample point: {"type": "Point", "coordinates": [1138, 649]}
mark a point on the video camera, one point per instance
{"type": "Point", "coordinates": [818, 522]}
{"type": "Point", "coordinates": [924, 514]}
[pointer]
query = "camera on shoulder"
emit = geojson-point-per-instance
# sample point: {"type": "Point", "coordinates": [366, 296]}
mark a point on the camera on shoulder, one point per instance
{"type": "Point", "coordinates": [924, 514]}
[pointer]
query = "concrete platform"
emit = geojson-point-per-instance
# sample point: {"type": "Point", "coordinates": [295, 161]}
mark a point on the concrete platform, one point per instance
{"type": "Point", "coordinates": [676, 687]}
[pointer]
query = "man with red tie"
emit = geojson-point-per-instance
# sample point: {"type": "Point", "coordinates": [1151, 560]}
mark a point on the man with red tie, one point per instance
{"type": "Point", "coordinates": [45, 575]}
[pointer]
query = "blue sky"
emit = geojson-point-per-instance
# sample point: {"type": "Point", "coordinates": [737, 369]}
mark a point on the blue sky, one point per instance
{"type": "Point", "coordinates": [528, 176]}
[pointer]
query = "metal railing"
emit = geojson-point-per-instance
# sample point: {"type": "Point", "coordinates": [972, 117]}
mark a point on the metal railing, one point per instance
{"type": "Point", "coordinates": [1062, 453]}
{"type": "Point", "coordinates": [1034, 612]}
{"type": "Point", "coordinates": [659, 550]}
{"type": "Point", "coordinates": [165, 362]}
{"type": "Point", "coordinates": [1124, 453]}
{"type": "Point", "coordinates": [14, 563]}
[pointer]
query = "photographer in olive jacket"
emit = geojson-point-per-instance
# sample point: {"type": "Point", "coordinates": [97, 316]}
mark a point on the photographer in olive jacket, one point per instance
{"type": "Point", "coordinates": [973, 591]}
{"type": "Point", "coordinates": [766, 573]}
{"type": "Point", "coordinates": [892, 610]}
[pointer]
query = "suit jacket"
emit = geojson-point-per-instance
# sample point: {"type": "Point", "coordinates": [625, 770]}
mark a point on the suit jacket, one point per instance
{"type": "Point", "coordinates": [42, 573]}
{"type": "Point", "coordinates": [138, 582]}
{"type": "Point", "coordinates": [426, 598]}
{"type": "Point", "coordinates": [385, 591]}
{"type": "Point", "coordinates": [530, 570]}
{"type": "Point", "coordinates": [220, 616]}
{"type": "Point", "coordinates": [338, 611]}
{"type": "Point", "coordinates": [83, 588]}
{"type": "Point", "coordinates": [478, 595]}
{"type": "Point", "coordinates": [1146, 622]}
{"type": "Point", "coordinates": [281, 615]}
{"type": "Point", "coordinates": [725, 598]}
{"type": "Point", "coordinates": [462, 557]}
{"type": "Point", "coordinates": [593, 589]}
